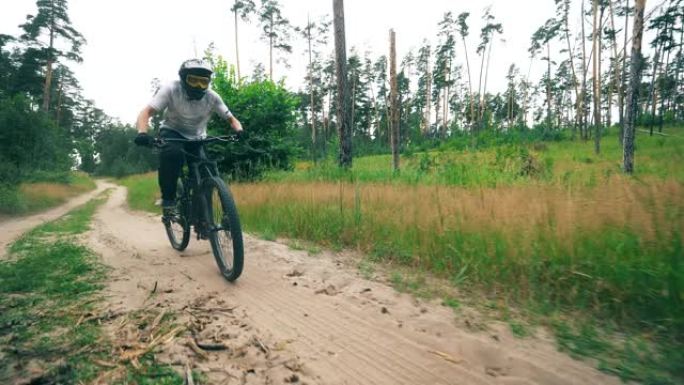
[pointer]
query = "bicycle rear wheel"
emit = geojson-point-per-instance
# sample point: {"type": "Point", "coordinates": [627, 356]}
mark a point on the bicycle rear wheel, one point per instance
{"type": "Point", "coordinates": [178, 226]}
{"type": "Point", "coordinates": [225, 234]}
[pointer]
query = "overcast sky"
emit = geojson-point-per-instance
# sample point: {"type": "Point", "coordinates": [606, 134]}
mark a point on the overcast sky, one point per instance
{"type": "Point", "coordinates": [131, 42]}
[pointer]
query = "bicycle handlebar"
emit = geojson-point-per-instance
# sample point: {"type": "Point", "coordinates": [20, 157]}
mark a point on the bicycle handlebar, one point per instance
{"type": "Point", "coordinates": [210, 139]}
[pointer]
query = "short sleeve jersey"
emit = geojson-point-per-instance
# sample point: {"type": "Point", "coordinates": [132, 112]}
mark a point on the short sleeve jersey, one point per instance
{"type": "Point", "coordinates": [187, 117]}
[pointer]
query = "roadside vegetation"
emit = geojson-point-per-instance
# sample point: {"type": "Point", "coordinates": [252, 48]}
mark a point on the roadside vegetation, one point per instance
{"type": "Point", "coordinates": [577, 247]}
{"type": "Point", "coordinates": [50, 191]}
{"type": "Point", "coordinates": [50, 321]}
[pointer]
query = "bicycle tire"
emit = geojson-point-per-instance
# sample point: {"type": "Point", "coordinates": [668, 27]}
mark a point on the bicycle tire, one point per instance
{"type": "Point", "coordinates": [178, 227]}
{"type": "Point", "coordinates": [225, 233]}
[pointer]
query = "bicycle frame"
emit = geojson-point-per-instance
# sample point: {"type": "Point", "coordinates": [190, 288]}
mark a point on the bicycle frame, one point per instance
{"type": "Point", "coordinates": [200, 167]}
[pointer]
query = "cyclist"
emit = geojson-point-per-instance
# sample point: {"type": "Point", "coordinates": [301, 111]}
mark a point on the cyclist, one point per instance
{"type": "Point", "coordinates": [187, 103]}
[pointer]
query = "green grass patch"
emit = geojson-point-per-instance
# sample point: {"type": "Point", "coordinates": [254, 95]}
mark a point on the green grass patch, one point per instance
{"type": "Point", "coordinates": [143, 192]}
{"type": "Point", "coordinates": [48, 284]}
{"type": "Point", "coordinates": [509, 163]}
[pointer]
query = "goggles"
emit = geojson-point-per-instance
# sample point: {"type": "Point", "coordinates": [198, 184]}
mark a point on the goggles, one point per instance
{"type": "Point", "coordinates": [195, 81]}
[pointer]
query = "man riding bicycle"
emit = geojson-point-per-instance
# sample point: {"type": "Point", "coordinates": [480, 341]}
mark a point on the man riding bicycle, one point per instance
{"type": "Point", "coordinates": [188, 103]}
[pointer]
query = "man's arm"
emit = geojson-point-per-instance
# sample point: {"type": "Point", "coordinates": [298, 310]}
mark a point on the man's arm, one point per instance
{"type": "Point", "coordinates": [235, 124]}
{"type": "Point", "coordinates": [143, 122]}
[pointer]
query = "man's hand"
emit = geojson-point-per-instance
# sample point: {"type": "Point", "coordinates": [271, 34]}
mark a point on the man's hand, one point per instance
{"type": "Point", "coordinates": [236, 125]}
{"type": "Point", "coordinates": [143, 139]}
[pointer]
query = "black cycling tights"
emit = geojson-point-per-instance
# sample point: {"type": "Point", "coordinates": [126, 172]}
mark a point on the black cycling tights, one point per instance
{"type": "Point", "coordinates": [171, 159]}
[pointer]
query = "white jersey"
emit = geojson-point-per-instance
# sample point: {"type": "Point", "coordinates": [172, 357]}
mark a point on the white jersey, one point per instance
{"type": "Point", "coordinates": [188, 117]}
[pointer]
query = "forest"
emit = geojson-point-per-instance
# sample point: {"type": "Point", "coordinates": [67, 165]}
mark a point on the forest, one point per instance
{"type": "Point", "coordinates": [555, 202]}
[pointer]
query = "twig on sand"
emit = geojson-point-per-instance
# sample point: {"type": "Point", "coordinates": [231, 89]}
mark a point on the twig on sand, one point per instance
{"type": "Point", "coordinates": [165, 339]}
{"type": "Point", "coordinates": [193, 346]}
{"type": "Point", "coordinates": [188, 376]}
{"type": "Point", "coordinates": [260, 344]}
{"type": "Point", "coordinates": [446, 357]}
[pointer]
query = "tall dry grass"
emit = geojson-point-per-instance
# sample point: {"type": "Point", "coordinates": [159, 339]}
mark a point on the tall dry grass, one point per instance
{"type": "Point", "coordinates": [614, 249]}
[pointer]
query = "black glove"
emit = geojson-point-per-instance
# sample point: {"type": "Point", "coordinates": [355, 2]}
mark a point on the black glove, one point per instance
{"type": "Point", "coordinates": [143, 139]}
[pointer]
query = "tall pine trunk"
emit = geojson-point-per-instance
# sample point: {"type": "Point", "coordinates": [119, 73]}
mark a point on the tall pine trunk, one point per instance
{"type": "Point", "coordinates": [548, 86]}
{"type": "Point", "coordinates": [50, 62]}
{"type": "Point", "coordinates": [582, 107]}
{"type": "Point", "coordinates": [394, 101]}
{"type": "Point", "coordinates": [484, 89]}
{"type": "Point", "coordinates": [479, 90]}
{"type": "Point", "coordinates": [596, 36]}
{"type": "Point", "coordinates": [632, 94]}
{"type": "Point", "coordinates": [574, 77]}
{"type": "Point", "coordinates": [237, 49]}
{"type": "Point", "coordinates": [270, 51]}
{"type": "Point", "coordinates": [311, 94]}
{"type": "Point", "coordinates": [343, 107]}
{"type": "Point", "coordinates": [470, 85]}
{"type": "Point", "coordinates": [621, 96]}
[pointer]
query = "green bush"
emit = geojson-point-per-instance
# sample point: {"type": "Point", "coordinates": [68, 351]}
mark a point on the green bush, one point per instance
{"type": "Point", "coordinates": [10, 199]}
{"type": "Point", "coordinates": [266, 110]}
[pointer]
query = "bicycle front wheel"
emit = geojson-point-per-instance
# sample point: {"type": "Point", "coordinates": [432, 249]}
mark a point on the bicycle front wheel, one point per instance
{"type": "Point", "coordinates": [178, 226]}
{"type": "Point", "coordinates": [225, 234]}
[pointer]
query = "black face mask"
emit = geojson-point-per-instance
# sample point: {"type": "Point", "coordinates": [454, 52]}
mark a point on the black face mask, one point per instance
{"type": "Point", "coordinates": [193, 93]}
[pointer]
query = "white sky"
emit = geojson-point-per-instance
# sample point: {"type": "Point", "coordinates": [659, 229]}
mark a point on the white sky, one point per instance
{"type": "Point", "coordinates": [132, 42]}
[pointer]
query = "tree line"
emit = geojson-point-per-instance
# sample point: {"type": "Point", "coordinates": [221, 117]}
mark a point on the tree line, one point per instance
{"type": "Point", "coordinates": [438, 91]}
{"type": "Point", "coordinates": [443, 92]}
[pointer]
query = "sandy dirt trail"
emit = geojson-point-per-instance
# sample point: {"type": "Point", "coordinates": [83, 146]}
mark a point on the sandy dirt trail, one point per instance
{"type": "Point", "coordinates": [308, 319]}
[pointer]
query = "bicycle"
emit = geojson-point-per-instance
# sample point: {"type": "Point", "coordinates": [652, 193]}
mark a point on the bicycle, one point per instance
{"type": "Point", "coordinates": [205, 203]}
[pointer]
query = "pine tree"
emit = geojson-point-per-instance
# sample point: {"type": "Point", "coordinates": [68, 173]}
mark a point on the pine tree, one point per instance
{"type": "Point", "coordinates": [52, 20]}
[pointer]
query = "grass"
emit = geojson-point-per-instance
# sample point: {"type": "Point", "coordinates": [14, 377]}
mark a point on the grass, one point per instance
{"type": "Point", "coordinates": [48, 284]}
{"type": "Point", "coordinates": [548, 228]}
{"type": "Point", "coordinates": [565, 163]}
{"type": "Point", "coordinates": [36, 196]}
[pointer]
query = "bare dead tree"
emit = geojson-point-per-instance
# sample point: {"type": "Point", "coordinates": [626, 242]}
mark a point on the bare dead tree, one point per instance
{"type": "Point", "coordinates": [343, 92]}
{"type": "Point", "coordinates": [632, 93]}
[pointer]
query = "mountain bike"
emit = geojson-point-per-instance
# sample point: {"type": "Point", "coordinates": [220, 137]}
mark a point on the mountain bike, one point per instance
{"type": "Point", "coordinates": [204, 203]}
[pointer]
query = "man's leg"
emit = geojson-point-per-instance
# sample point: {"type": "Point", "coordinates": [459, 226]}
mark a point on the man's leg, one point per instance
{"type": "Point", "coordinates": [170, 164]}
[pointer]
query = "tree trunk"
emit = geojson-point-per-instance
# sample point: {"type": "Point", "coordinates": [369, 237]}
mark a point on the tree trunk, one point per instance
{"type": "Point", "coordinates": [596, 37]}
{"type": "Point", "coordinates": [621, 95]}
{"type": "Point", "coordinates": [394, 98]}
{"type": "Point", "coordinates": [479, 89]}
{"type": "Point", "coordinates": [343, 107]}
{"type": "Point", "coordinates": [58, 114]}
{"type": "Point", "coordinates": [428, 98]}
{"type": "Point", "coordinates": [652, 95]}
{"type": "Point", "coordinates": [678, 108]}
{"type": "Point", "coordinates": [484, 89]}
{"type": "Point", "coordinates": [470, 85]}
{"type": "Point", "coordinates": [581, 107]}
{"type": "Point", "coordinates": [662, 93]}
{"type": "Point", "coordinates": [311, 94]}
{"type": "Point", "coordinates": [270, 51]}
{"type": "Point", "coordinates": [237, 50]}
{"type": "Point", "coordinates": [548, 86]}
{"type": "Point", "coordinates": [574, 76]}
{"type": "Point", "coordinates": [50, 62]}
{"type": "Point", "coordinates": [634, 79]}
{"type": "Point", "coordinates": [615, 83]}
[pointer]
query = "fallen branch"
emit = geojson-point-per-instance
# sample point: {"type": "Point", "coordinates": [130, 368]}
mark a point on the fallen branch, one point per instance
{"type": "Point", "coordinates": [208, 346]}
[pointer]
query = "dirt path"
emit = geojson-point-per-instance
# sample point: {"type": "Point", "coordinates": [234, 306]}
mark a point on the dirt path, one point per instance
{"type": "Point", "coordinates": [299, 318]}
{"type": "Point", "coordinates": [12, 228]}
